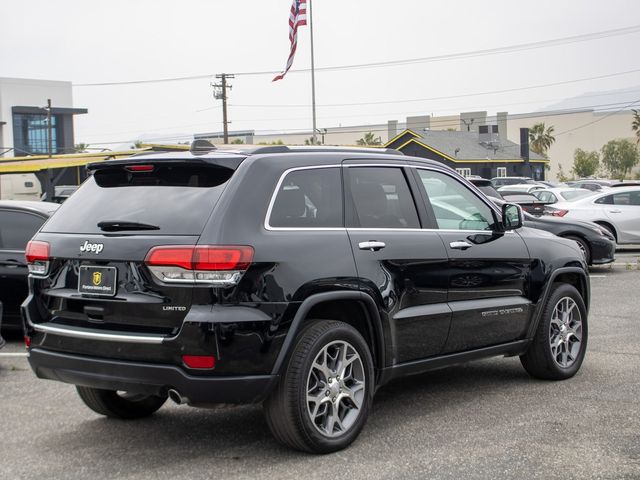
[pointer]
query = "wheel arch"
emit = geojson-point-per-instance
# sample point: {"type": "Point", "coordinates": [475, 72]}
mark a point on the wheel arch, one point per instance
{"type": "Point", "coordinates": [574, 276]}
{"type": "Point", "coordinates": [608, 226]}
{"type": "Point", "coordinates": [352, 307]}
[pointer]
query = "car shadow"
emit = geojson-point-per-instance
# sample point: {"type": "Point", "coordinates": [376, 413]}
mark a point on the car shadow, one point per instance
{"type": "Point", "coordinates": [180, 434]}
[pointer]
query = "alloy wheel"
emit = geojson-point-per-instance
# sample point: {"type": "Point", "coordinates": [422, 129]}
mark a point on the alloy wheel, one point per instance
{"type": "Point", "coordinates": [565, 332]}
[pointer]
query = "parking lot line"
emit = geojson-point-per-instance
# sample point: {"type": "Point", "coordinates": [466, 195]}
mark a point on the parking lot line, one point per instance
{"type": "Point", "coordinates": [18, 354]}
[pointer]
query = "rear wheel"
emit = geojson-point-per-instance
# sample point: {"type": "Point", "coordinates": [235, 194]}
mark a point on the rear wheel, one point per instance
{"type": "Point", "coordinates": [560, 342]}
{"type": "Point", "coordinates": [323, 398]}
{"type": "Point", "coordinates": [119, 404]}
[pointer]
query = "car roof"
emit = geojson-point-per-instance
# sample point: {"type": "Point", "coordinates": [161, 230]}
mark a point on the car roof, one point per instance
{"type": "Point", "coordinates": [233, 158]}
{"type": "Point", "coordinates": [45, 208]}
{"type": "Point", "coordinates": [565, 189]}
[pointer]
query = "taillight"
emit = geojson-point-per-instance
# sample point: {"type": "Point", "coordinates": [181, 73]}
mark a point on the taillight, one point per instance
{"type": "Point", "coordinates": [558, 213]}
{"type": "Point", "coordinates": [37, 256]}
{"type": "Point", "coordinates": [217, 265]}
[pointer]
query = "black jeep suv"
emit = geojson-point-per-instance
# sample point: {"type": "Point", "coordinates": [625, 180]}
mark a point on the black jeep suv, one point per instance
{"type": "Point", "coordinates": [302, 278]}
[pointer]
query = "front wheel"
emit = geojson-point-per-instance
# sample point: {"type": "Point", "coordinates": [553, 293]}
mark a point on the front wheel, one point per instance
{"type": "Point", "coordinates": [119, 404]}
{"type": "Point", "coordinates": [323, 399]}
{"type": "Point", "coordinates": [560, 342]}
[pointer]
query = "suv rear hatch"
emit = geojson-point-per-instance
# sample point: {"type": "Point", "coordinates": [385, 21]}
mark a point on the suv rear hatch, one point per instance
{"type": "Point", "coordinates": [93, 250]}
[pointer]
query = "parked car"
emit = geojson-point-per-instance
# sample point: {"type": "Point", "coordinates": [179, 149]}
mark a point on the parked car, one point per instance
{"type": "Point", "coordinates": [628, 183]}
{"type": "Point", "coordinates": [526, 188]}
{"type": "Point", "coordinates": [529, 202]}
{"type": "Point", "coordinates": [502, 181]}
{"type": "Point", "coordinates": [485, 187]}
{"type": "Point", "coordinates": [302, 277]}
{"type": "Point", "coordinates": [19, 221]}
{"type": "Point", "coordinates": [554, 195]}
{"type": "Point", "coordinates": [593, 185]}
{"type": "Point", "coordinates": [597, 243]}
{"type": "Point", "coordinates": [617, 210]}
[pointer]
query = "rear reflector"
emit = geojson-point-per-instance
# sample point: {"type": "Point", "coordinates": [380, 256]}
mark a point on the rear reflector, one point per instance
{"type": "Point", "coordinates": [220, 265]}
{"type": "Point", "coordinates": [199, 361]}
{"type": "Point", "coordinates": [37, 256]}
{"type": "Point", "coordinates": [27, 341]}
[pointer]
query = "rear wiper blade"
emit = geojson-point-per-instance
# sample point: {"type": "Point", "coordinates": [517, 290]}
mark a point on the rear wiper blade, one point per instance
{"type": "Point", "coordinates": [120, 225]}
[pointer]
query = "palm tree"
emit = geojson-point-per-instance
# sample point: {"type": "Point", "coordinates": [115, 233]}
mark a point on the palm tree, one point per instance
{"type": "Point", "coordinates": [541, 138]}
{"type": "Point", "coordinates": [369, 139]}
{"type": "Point", "coordinates": [80, 147]}
{"type": "Point", "coordinates": [635, 124]}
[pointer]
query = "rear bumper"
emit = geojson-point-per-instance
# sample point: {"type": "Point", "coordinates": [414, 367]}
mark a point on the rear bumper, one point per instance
{"type": "Point", "coordinates": [150, 379]}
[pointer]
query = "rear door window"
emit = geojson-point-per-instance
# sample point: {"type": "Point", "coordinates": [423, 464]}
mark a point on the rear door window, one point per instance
{"type": "Point", "coordinates": [309, 198]}
{"type": "Point", "coordinates": [381, 198]}
{"type": "Point", "coordinates": [176, 198]}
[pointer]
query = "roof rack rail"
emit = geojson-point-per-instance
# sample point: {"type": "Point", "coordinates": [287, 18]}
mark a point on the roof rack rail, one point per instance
{"type": "Point", "coordinates": [321, 148]}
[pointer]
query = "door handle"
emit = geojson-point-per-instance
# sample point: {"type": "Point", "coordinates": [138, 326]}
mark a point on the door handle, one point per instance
{"type": "Point", "coordinates": [372, 245]}
{"type": "Point", "coordinates": [615, 211]}
{"type": "Point", "coordinates": [460, 245]}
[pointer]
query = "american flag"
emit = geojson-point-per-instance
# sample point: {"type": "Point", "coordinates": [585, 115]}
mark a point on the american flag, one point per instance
{"type": "Point", "coordinates": [297, 18]}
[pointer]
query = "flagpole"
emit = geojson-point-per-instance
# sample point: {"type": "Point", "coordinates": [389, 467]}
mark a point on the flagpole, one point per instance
{"type": "Point", "coordinates": [313, 77]}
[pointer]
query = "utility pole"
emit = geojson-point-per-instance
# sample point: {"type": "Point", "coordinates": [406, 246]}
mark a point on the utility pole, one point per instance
{"type": "Point", "coordinates": [220, 93]}
{"type": "Point", "coordinates": [49, 128]}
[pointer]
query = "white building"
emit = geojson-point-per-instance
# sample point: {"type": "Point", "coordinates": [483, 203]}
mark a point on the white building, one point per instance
{"type": "Point", "coordinates": [23, 116]}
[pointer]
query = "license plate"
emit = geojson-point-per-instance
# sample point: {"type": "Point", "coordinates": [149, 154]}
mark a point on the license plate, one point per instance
{"type": "Point", "coordinates": [97, 281]}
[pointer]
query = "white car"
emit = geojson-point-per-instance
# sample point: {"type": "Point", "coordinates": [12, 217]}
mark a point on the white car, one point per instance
{"type": "Point", "coordinates": [567, 194]}
{"type": "Point", "coordinates": [523, 187]}
{"type": "Point", "coordinates": [616, 209]}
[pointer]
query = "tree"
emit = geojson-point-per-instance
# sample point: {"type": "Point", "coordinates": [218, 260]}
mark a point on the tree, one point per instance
{"type": "Point", "coordinates": [541, 138]}
{"type": "Point", "coordinates": [561, 176]}
{"type": "Point", "coordinates": [237, 141]}
{"type": "Point", "coordinates": [635, 124]}
{"type": "Point", "coordinates": [369, 139]}
{"type": "Point", "coordinates": [80, 147]}
{"type": "Point", "coordinates": [585, 164]}
{"type": "Point", "coordinates": [619, 157]}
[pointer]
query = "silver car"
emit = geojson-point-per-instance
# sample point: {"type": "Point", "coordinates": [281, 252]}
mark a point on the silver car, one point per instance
{"type": "Point", "coordinates": [617, 210]}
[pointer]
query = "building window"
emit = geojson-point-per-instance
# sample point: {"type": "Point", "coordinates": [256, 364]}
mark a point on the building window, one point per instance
{"type": "Point", "coordinates": [465, 172]}
{"type": "Point", "coordinates": [31, 134]}
{"type": "Point", "coordinates": [501, 172]}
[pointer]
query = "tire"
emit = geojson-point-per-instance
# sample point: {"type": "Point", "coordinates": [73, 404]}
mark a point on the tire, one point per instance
{"type": "Point", "coordinates": [308, 422]}
{"type": "Point", "coordinates": [584, 246]}
{"type": "Point", "coordinates": [560, 342]}
{"type": "Point", "coordinates": [116, 405]}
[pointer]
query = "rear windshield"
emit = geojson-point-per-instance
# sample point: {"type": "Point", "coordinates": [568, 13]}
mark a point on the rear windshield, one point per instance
{"type": "Point", "coordinates": [177, 199]}
{"type": "Point", "coordinates": [575, 194]}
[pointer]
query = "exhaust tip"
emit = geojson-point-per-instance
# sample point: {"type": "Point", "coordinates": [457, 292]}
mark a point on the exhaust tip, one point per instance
{"type": "Point", "coordinates": [176, 397]}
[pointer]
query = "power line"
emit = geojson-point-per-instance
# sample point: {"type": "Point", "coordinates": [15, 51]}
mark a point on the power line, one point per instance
{"type": "Point", "coordinates": [599, 119]}
{"type": "Point", "coordinates": [449, 97]}
{"type": "Point", "coordinates": [444, 123]}
{"type": "Point", "coordinates": [408, 61]}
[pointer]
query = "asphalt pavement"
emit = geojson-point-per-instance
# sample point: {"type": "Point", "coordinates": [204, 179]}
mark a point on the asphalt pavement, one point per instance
{"type": "Point", "coordinates": [483, 420]}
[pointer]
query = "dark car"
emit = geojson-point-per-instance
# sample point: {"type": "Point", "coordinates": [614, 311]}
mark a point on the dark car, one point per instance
{"type": "Point", "coordinates": [528, 201]}
{"type": "Point", "coordinates": [304, 278]}
{"type": "Point", "coordinates": [502, 181]}
{"type": "Point", "coordinates": [597, 243]}
{"type": "Point", "coordinates": [19, 221]}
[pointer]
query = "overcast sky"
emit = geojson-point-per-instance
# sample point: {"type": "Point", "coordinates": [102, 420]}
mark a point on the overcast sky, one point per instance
{"type": "Point", "coordinates": [116, 41]}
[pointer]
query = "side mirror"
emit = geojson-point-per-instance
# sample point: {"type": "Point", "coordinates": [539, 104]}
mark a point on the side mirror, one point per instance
{"type": "Point", "coordinates": [511, 216]}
